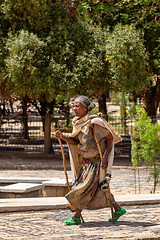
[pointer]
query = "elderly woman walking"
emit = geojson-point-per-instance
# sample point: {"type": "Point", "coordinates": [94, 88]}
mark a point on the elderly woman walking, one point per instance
{"type": "Point", "coordinates": [89, 174]}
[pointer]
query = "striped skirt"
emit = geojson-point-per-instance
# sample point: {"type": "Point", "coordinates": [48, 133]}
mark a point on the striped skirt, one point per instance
{"type": "Point", "coordinates": [86, 192]}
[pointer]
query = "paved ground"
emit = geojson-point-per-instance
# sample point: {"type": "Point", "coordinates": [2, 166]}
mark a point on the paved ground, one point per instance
{"type": "Point", "coordinates": [123, 179]}
{"type": "Point", "coordinates": [140, 221]}
{"type": "Point", "coordinates": [38, 161]}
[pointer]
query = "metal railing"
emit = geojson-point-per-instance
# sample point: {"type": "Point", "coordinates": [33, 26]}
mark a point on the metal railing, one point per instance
{"type": "Point", "coordinates": [13, 135]}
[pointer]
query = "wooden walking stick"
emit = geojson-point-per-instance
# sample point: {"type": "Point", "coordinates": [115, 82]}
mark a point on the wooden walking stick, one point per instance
{"type": "Point", "coordinates": [64, 164]}
{"type": "Point", "coordinates": [108, 187]}
{"type": "Point", "coordinates": [65, 171]}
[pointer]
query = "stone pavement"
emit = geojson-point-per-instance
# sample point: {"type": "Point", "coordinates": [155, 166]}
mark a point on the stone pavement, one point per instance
{"type": "Point", "coordinates": [142, 220]}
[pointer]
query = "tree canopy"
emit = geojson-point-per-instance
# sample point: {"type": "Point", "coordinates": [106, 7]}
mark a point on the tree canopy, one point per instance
{"type": "Point", "coordinates": [42, 52]}
{"type": "Point", "coordinates": [52, 47]}
{"type": "Point", "coordinates": [128, 59]}
{"type": "Point", "coordinates": [145, 16]}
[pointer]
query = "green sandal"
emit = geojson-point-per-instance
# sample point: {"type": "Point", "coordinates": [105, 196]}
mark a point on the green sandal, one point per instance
{"type": "Point", "coordinates": [71, 222]}
{"type": "Point", "coordinates": [121, 213]}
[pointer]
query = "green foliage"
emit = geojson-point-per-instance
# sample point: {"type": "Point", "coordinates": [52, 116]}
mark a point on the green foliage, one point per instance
{"type": "Point", "coordinates": [128, 59]}
{"type": "Point", "coordinates": [143, 13]}
{"type": "Point", "coordinates": [29, 71]}
{"type": "Point", "coordinates": [39, 16]}
{"type": "Point", "coordinates": [33, 66]}
{"type": "Point", "coordinates": [146, 144]}
{"type": "Point", "coordinates": [53, 52]}
{"type": "Point", "coordinates": [105, 12]}
{"type": "Point", "coordinates": [22, 49]}
{"type": "Point", "coordinates": [20, 62]}
{"type": "Point", "coordinates": [90, 71]}
{"type": "Point", "coordinates": [156, 54]}
{"type": "Point", "coordinates": [145, 16]}
{"type": "Point", "coordinates": [72, 56]}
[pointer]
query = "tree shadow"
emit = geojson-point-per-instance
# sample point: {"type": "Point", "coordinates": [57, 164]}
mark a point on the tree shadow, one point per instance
{"type": "Point", "coordinates": [92, 224]}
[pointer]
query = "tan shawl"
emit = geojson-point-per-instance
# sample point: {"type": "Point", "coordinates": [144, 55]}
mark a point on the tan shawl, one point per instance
{"type": "Point", "coordinates": [81, 124]}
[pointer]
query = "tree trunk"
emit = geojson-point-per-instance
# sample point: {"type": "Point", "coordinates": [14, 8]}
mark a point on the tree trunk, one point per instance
{"type": "Point", "coordinates": [43, 112]}
{"type": "Point", "coordinates": [47, 134]}
{"type": "Point", "coordinates": [25, 117]}
{"type": "Point", "coordinates": [152, 99]}
{"type": "Point", "coordinates": [102, 105]}
{"type": "Point", "coordinates": [44, 105]}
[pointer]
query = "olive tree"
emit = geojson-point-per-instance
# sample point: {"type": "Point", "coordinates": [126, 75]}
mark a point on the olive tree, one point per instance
{"type": "Point", "coordinates": [128, 62]}
{"type": "Point", "coordinates": [28, 73]}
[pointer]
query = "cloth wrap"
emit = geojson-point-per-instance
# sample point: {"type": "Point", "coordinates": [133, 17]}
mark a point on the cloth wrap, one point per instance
{"type": "Point", "coordinates": [82, 124]}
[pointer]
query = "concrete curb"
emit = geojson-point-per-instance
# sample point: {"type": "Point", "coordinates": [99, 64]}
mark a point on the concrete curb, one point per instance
{"type": "Point", "coordinates": [138, 199]}
{"type": "Point", "coordinates": [55, 203]}
{"type": "Point", "coordinates": [32, 204]}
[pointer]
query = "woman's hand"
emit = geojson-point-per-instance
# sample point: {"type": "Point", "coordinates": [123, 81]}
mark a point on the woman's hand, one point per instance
{"type": "Point", "coordinates": [58, 134]}
{"type": "Point", "coordinates": [73, 141]}
{"type": "Point", "coordinates": [104, 163]}
{"type": "Point", "coordinates": [109, 139]}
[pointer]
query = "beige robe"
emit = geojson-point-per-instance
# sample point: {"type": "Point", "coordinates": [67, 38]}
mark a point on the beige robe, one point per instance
{"type": "Point", "coordinates": [76, 197]}
{"type": "Point", "coordinates": [82, 124]}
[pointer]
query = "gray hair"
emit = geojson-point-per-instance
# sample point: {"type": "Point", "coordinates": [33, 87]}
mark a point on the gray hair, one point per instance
{"type": "Point", "coordinates": [85, 101]}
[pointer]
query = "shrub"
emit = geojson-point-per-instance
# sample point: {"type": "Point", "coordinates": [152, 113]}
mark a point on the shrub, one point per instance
{"type": "Point", "coordinates": [146, 145]}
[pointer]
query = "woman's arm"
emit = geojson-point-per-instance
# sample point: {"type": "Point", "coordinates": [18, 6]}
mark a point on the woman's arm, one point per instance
{"type": "Point", "coordinates": [73, 141]}
{"type": "Point", "coordinates": [109, 139]}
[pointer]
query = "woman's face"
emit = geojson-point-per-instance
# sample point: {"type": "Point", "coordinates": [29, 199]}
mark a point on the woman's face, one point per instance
{"type": "Point", "coordinates": [79, 109]}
